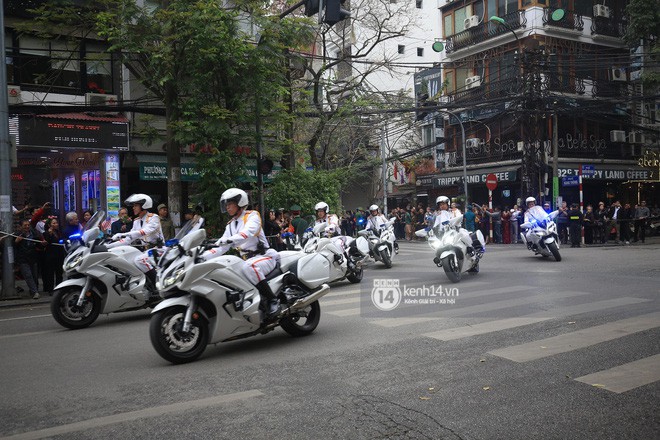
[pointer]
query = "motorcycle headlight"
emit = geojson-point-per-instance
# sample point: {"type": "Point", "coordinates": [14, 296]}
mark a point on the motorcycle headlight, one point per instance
{"type": "Point", "coordinates": [72, 264]}
{"type": "Point", "coordinates": [176, 276]}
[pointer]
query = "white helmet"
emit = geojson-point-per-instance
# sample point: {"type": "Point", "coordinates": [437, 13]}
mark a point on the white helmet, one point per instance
{"type": "Point", "coordinates": [442, 199]}
{"type": "Point", "coordinates": [140, 199]}
{"type": "Point", "coordinates": [235, 195]}
{"type": "Point", "coordinates": [530, 199]}
{"type": "Point", "coordinates": [373, 208]}
{"type": "Point", "coordinates": [322, 206]}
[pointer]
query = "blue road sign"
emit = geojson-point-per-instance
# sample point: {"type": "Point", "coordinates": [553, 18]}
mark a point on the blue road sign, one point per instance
{"type": "Point", "coordinates": [588, 170]}
{"type": "Point", "coordinates": [570, 181]}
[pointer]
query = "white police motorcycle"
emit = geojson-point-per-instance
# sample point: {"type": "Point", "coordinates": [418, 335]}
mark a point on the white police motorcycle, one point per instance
{"type": "Point", "coordinates": [542, 238]}
{"type": "Point", "coordinates": [207, 302]}
{"type": "Point", "coordinates": [451, 252]}
{"type": "Point", "coordinates": [99, 280]}
{"type": "Point", "coordinates": [381, 244]}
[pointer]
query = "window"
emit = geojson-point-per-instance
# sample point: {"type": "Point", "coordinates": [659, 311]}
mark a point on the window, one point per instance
{"type": "Point", "coordinates": [418, 4]}
{"type": "Point", "coordinates": [58, 64]}
{"type": "Point", "coordinates": [401, 48]}
{"type": "Point", "coordinates": [420, 51]}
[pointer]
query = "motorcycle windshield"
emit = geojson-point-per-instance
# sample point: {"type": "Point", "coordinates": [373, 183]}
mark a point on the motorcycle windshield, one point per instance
{"type": "Point", "coordinates": [95, 221]}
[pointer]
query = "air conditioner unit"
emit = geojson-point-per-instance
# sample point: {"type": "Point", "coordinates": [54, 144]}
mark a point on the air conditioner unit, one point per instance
{"type": "Point", "coordinates": [14, 95]}
{"type": "Point", "coordinates": [636, 137]}
{"type": "Point", "coordinates": [100, 99]}
{"type": "Point", "coordinates": [618, 74]}
{"type": "Point", "coordinates": [472, 142]}
{"type": "Point", "coordinates": [601, 11]}
{"type": "Point", "coordinates": [472, 81]}
{"type": "Point", "coordinates": [617, 136]}
{"type": "Point", "coordinates": [471, 21]}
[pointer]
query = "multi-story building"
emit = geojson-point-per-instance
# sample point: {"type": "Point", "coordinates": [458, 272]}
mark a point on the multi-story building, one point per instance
{"type": "Point", "coordinates": [541, 85]}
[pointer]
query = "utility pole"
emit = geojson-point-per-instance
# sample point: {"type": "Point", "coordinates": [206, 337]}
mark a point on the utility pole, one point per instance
{"type": "Point", "coordinates": [6, 214]}
{"type": "Point", "coordinates": [384, 173]}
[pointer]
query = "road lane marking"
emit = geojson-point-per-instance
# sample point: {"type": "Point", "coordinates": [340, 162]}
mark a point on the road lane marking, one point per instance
{"type": "Point", "coordinates": [18, 335]}
{"type": "Point", "coordinates": [509, 323]}
{"type": "Point", "coordinates": [590, 306]}
{"type": "Point", "coordinates": [396, 322]}
{"type": "Point", "coordinates": [134, 415]}
{"type": "Point", "coordinates": [336, 302]}
{"type": "Point", "coordinates": [579, 339]}
{"type": "Point", "coordinates": [627, 376]}
{"type": "Point", "coordinates": [345, 312]}
{"type": "Point", "coordinates": [483, 328]}
{"type": "Point", "coordinates": [24, 317]}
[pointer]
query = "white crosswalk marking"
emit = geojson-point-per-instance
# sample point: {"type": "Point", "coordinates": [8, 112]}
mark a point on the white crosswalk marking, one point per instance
{"type": "Point", "coordinates": [484, 327]}
{"type": "Point", "coordinates": [346, 312]}
{"type": "Point", "coordinates": [505, 324]}
{"type": "Point", "coordinates": [627, 376]}
{"type": "Point", "coordinates": [579, 339]}
{"type": "Point", "coordinates": [336, 302]}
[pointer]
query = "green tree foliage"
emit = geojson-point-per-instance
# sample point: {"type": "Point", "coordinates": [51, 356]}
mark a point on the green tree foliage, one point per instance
{"type": "Point", "coordinates": [306, 188]}
{"type": "Point", "coordinates": [644, 27]}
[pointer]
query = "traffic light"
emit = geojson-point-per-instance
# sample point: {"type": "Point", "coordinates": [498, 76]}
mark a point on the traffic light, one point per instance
{"type": "Point", "coordinates": [311, 7]}
{"type": "Point", "coordinates": [265, 166]}
{"type": "Point", "coordinates": [331, 11]}
{"type": "Point", "coordinates": [421, 102]}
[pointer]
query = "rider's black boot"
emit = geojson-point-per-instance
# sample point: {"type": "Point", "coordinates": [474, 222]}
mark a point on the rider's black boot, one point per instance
{"type": "Point", "coordinates": [150, 286]}
{"type": "Point", "coordinates": [272, 303]}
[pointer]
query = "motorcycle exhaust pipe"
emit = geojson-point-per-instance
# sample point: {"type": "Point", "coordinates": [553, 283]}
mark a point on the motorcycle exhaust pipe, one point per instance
{"type": "Point", "coordinates": [304, 302]}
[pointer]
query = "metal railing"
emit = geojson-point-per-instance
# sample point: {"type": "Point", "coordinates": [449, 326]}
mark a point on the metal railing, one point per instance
{"type": "Point", "coordinates": [570, 20]}
{"type": "Point", "coordinates": [485, 31]}
{"type": "Point", "coordinates": [609, 27]}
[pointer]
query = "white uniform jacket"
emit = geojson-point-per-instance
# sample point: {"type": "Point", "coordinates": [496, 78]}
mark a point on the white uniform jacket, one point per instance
{"type": "Point", "coordinates": [146, 228]}
{"type": "Point", "coordinates": [375, 222]}
{"type": "Point", "coordinates": [245, 233]}
{"type": "Point", "coordinates": [333, 223]}
{"type": "Point", "coordinates": [536, 213]}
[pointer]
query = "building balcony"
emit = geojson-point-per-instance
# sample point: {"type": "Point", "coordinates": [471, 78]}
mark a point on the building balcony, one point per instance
{"type": "Point", "coordinates": [569, 21]}
{"type": "Point", "coordinates": [485, 31]}
{"type": "Point", "coordinates": [608, 27]}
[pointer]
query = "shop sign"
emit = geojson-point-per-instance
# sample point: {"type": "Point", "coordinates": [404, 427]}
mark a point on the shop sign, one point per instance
{"type": "Point", "coordinates": [158, 171]}
{"type": "Point", "coordinates": [113, 201]}
{"type": "Point", "coordinates": [610, 174]}
{"type": "Point", "coordinates": [480, 178]}
{"type": "Point", "coordinates": [64, 133]}
{"type": "Point", "coordinates": [251, 172]}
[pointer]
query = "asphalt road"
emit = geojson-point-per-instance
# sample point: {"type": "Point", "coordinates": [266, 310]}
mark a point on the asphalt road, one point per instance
{"type": "Point", "coordinates": [528, 348]}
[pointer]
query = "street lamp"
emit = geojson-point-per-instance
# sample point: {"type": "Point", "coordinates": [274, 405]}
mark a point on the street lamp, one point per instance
{"type": "Point", "coordinates": [500, 20]}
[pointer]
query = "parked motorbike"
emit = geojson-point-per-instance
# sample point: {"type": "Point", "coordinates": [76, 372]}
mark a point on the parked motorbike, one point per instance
{"type": "Point", "coordinates": [542, 238]}
{"type": "Point", "coordinates": [451, 253]}
{"type": "Point", "coordinates": [382, 245]}
{"type": "Point", "coordinates": [99, 280]}
{"type": "Point", "coordinates": [207, 302]}
{"type": "Point", "coordinates": [291, 241]}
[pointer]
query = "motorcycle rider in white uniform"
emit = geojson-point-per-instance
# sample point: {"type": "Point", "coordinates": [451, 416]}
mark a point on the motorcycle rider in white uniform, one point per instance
{"type": "Point", "coordinates": [375, 222]}
{"type": "Point", "coordinates": [323, 216]}
{"type": "Point", "coordinates": [443, 216]}
{"type": "Point", "coordinates": [146, 227]}
{"type": "Point", "coordinates": [245, 233]}
{"type": "Point", "coordinates": [533, 214]}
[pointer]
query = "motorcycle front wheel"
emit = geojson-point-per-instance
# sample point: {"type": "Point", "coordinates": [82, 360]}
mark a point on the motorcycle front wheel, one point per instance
{"type": "Point", "coordinates": [355, 276]}
{"type": "Point", "coordinates": [451, 269]}
{"type": "Point", "coordinates": [304, 322]}
{"type": "Point", "coordinates": [555, 251]}
{"type": "Point", "coordinates": [169, 340]}
{"type": "Point", "coordinates": [387, 258]}
{"type": "Point", "coordinates": [66, 311]}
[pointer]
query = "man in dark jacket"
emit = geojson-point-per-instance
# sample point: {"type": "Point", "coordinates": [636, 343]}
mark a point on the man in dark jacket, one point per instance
{"type": "Point", "coordinates": [123, 225]}
{"type": "Point", "coordinates": [26, 256]}
{"type": "Point", "coordinates": [575, 218]}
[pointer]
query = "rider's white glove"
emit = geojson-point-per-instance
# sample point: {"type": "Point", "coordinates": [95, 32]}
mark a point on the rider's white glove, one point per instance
{"type": "Point", "coordinates": [222, 241]}
{"type": "Point", "coordinates": [118, 236]}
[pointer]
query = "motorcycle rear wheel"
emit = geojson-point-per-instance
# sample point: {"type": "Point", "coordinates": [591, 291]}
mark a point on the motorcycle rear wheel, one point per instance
{"type": "Point", "coordinates": [170, 342]}
{"type": "Point", "coordinates": [555, 251]}
{"type": "Point", "coordinates": [451, 269]}
{"type": "Point", "coordinates": [66, 311]}
{"type": "Point", "coordinates": [295, 326]}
